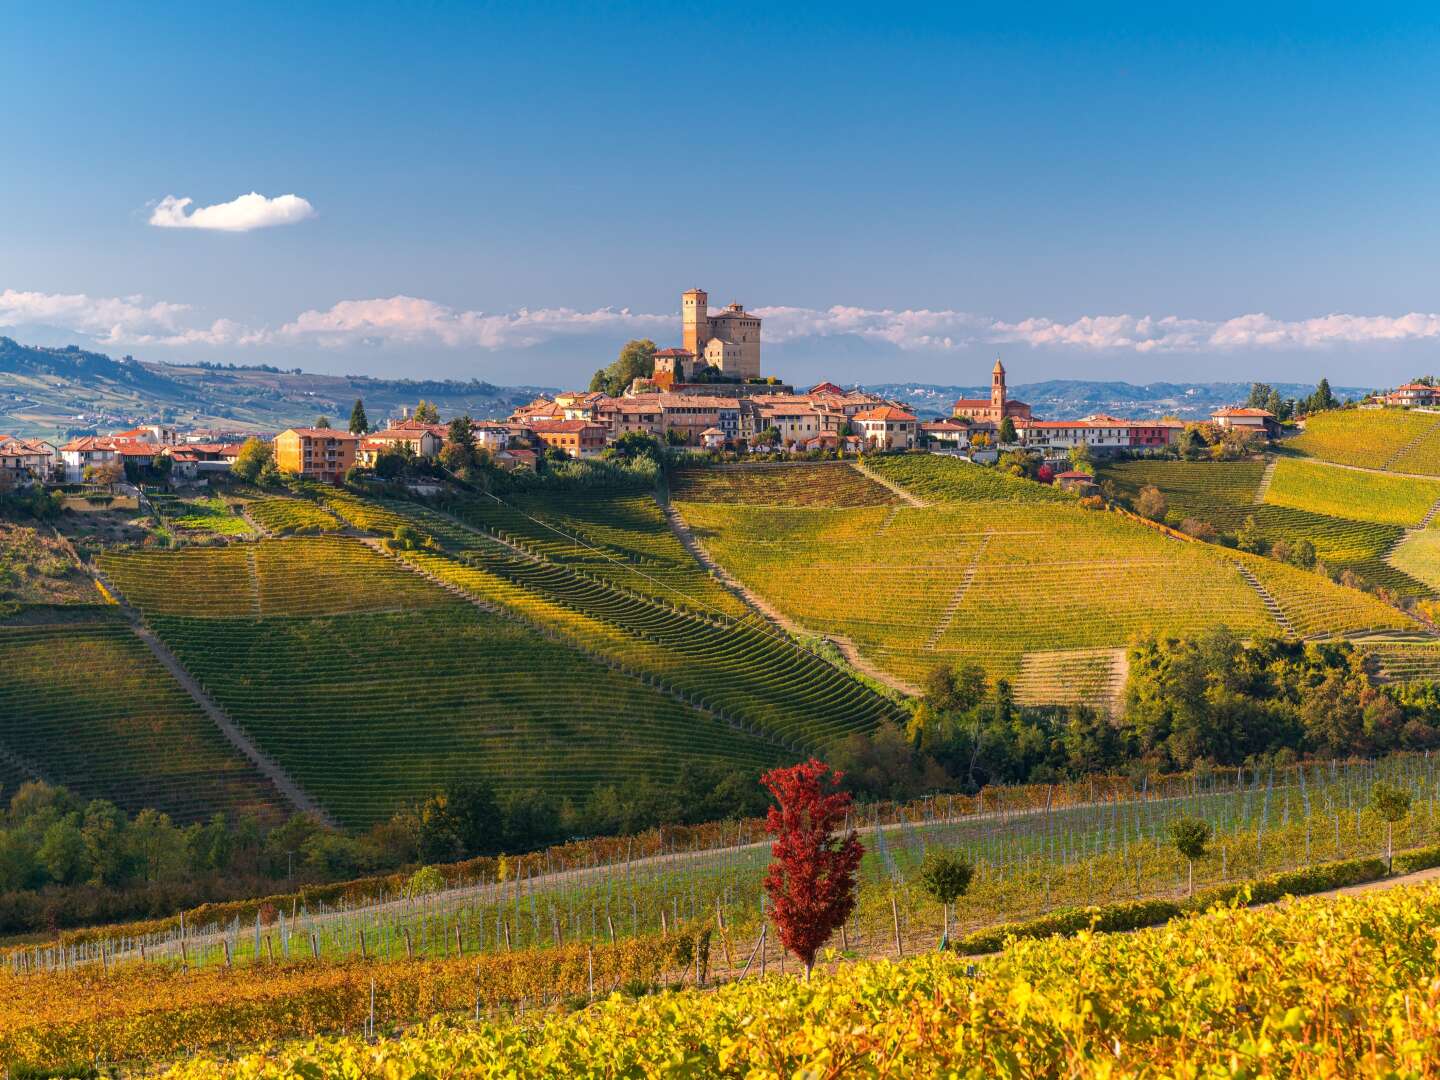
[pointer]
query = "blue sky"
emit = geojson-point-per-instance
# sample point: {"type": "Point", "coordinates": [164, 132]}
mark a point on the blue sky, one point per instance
{"type": "Point", "coordinates": [508, 192]}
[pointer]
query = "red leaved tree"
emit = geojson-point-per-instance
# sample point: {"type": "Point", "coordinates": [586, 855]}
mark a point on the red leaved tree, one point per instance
{"type": "Point", "coordinates": [811, 879]}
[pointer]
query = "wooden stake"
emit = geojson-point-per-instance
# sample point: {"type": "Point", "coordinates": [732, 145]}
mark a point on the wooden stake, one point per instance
{"type": "Point", "coordinates": [409, 946]}
{"type": "Point", "coordinates": [314, 946]}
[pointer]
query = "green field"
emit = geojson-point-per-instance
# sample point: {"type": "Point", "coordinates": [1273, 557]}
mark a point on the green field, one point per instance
{"type": "Point", "coordinates": [1346, 493]}
{"type": "Point", "coordinates": [1418, 556]}
{"type": "Point", "coordinates": [209, 515]}
{"type": "Point", "coordinates": [1394, 439]}
{"type": "Point", "coordinates": [89, 707]}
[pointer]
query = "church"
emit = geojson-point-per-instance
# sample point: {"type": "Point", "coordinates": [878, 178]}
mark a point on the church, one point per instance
{"type": "Point", "coordinates": [994, 409]}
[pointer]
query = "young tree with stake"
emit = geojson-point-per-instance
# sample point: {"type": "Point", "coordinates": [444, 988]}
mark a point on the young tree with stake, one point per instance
{"type": "Point", "coordinates": [811, 878]}
{"type": "Point", "coordinates": [1392, 803]}
{"type": "Point", "coordinates": [1190, 837]}
{"type": "Point", "coordinates": [945, 876]}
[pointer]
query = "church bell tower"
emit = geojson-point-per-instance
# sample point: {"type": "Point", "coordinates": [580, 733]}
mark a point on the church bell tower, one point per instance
{"type": "Point", "coordinates": [997, 388]}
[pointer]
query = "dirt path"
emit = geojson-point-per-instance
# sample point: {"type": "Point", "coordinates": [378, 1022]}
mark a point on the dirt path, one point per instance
{"type": "Point", "coordinates": [906, 496]}
{"type": "Point", "coordinates": [759, 604]}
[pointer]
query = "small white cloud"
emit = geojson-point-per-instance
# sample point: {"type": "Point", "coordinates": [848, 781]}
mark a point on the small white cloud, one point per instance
{"type": "Point", "coordinates": [253, 211]}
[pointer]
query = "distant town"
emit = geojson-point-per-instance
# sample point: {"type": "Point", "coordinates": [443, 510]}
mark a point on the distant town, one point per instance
{"type": "Point", "coordinates": [707, 393]}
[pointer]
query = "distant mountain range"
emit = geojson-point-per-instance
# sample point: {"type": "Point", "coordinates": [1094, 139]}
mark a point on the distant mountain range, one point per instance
{"type": "Point", "coordinates": [58, 392]}
{"type": "Point", "coordinates": [1070, 399]}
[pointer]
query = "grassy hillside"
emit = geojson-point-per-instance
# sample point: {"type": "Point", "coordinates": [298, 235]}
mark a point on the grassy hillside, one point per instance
{"type": "Point", "coordinates": [373, 687]}
{"type": "Point", "coordinates": [45, 391]}
{"type": "Point", "coordinates": [1393, 439]}
{"type": "Point", "coordinates": [1017, 585]}
{"type": "Point", "coordinates": [89, 707]}
{"type": "Point", "coordinates": [1345, 493]}
{"type": "Point", "coordinates": [1224, 493]}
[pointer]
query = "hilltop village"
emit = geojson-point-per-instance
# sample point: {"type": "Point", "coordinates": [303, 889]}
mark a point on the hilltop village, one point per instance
{"type": "Point", "coordinates": [707, 394]}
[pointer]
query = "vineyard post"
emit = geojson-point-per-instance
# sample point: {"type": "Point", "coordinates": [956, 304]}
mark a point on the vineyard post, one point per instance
{"type": "Point", "coordinates": [895, 921]}
{"type": "Point", "coordinates": [590, 971]}
{"type": "Point", "coordinates": [409, 946]}
{"type": "Point", "coordinates": [314, 945]}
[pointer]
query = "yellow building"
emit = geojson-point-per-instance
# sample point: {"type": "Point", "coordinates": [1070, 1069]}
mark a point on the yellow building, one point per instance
{"type": "Point", "coordinates": [316, 453]}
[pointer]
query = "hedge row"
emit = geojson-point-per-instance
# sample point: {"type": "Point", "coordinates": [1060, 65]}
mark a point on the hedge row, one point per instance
{"type": "Point", "coordinates": [1137, 914]}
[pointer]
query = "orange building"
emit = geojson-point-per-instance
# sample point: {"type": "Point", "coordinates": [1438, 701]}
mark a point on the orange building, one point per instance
{"type": "Point", "coordinates": [578, 438]}
{"type": "Point", "coordinates": [316, 453]}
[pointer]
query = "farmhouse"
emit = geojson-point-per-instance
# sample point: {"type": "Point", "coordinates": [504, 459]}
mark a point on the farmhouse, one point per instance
{"type": "Point", "coordinates": [887, 428]}
{"type": "Point", "coordinates": [322, 454]}
{"type": "Point", "coordinates": [1261, 421]}
{"type": "Point", "coordinates": [1099, 433]}
{"type": "Point", "coordinates": [1413, 394]}
{"type": "Point", "coordinates": [422, 441]}
{"type": "Point", "coordinates": [23, 460]}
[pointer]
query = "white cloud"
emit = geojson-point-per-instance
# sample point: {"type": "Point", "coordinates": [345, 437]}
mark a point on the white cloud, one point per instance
{"type": "Point", "coordinates": [412, 321]}
{"type": "Point", "coordinates": [407, 321]}
{"type": "Point", "coordinates": [241, 214]}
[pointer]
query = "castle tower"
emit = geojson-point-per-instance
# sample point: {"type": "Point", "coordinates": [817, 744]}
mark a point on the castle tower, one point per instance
{"type": "Point", "coordinates": [695, 318]}
{"type": "Point", "coordinates": [997, 389]}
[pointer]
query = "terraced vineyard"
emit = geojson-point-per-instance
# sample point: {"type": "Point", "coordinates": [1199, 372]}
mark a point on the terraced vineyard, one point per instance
{"type": "Point", "coordinates": [821, 484]}
{"type": "Point", "coordinates": [1222, 493]}
{"type": "Point", "coordinates": [940, 478]}
{"type": "Point", "coordinates": [619, 538]}
{"type": "Point", "coordinates": [1394, 439]}
{"type": "Point", "coordinates": [1345, 493]}
{"type": "Point", "coordinates": [1418, 556]}
{"type": "Point", "coordinates": [283, 516]}
{"type": "Point", "coordinates": [89, 707]}
{"type": "Point", "coordinates": [322, 576]}
{"type": "Point", "coordinates": [1093, 677]}
{"type": "Point", "coordinates": [986, 582]}
{"type": "Point", "coordinates": [372, 712]}
{"type": "Point", "coordinates": [210, 515]}
{"type": "Point", "coordinates": [1317, 607]}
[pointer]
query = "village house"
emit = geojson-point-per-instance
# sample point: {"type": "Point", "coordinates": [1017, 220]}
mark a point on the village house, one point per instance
{"type": "Point", "coordinates": [1412, 395]}
{"type": "Point", "coordinates": [887, 428]}
{"type": "Point", "coordinates": [23, 461]}
{"type": "Point", "coordinates": [577, 438]}
{"type": "Point", "coordinates": [420, 441]}
{"type": "Point", "coordinates": [712, 439]}
{"type": "Point", "coordinates": [949, 433]}
{"type": "Point", "coordinates": [1099, 433]}
{"type": "Point", "coordinates": [323, 454]}
{"type": "Point", "coordinates": [795, 423]}
{"type": "Point", "coordinates": [691, 414]}
{"type": "Point", "coordinates": [492, 437]}
{"type": "Point", "coordinates": [623, 415]}
{"type": "Point", "coordinates": [1259, 421]}
{"type": "Point", "coordinates": [77, 455]}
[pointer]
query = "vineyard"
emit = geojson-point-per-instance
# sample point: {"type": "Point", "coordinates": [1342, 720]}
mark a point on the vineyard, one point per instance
{"type": "Point", "coordinates": [618, 538]}
{"type": "Point", "coordinates": [89, 707]}
{"type": "Point", "coordinates": [318, 648]}
{"type": "Point", "coordinates": [210, 516]}
{"type": "Point", "coordinates": [1346, 493]}
{"type": "Point", "coordinates": [986, 582]}
{"type": "Point", "coordinates": [1418, 556]}
{"type": "Point", "coordinates": [937, 478]}
{"type": "Point", "coordinates": [1319, 987]}
{"type": "Point", "coordinates": [820, 485]}
{"type": "Point", "coordinates": [1223, 494]}
{"type": "Point", "coordinates": [321, 576]}
{"type": "Point", "coordinates": [582, 933]}
{"type": "Point", "coordinates": [1392, 439]}
{"type": "Point", "coordinates": [283, 517]}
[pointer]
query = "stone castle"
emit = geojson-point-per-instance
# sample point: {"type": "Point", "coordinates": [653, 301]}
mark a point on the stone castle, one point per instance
{"type": "Point", "coordinates": [728, 340]}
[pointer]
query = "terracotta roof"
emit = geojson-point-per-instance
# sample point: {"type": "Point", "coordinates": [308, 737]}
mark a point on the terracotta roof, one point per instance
{"type": "Point", "coordinates": [712, 431]}
{"type": "Point", "coordinates": [1417, 386]}
{"type": "Point", "coordinates": [136, 449]}
{"type": "Point", "coordinates": [1074, 474]}
{"type": "Point", "coordinates": [674, 352]}
{"type": "Point", "coordinates": [321, 433]}
{"type": "Point", "coordinates": [884, 412]}
{"type": "Point", "coordinates": [973, 403]}
{"type": "Point", "coordinates": [1236, 411]}
{"type": "Point", "coordinates": [697, 400]}
{"type": "Point", "coordinates": [88, 443]}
